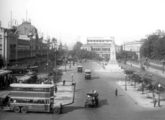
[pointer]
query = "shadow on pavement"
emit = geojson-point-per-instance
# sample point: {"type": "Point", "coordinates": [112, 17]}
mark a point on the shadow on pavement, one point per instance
{"type": "Point", "coordinates": [103, 102]}
{"type": "Point", "coordinates": [95, 77]}
{"type": "Point", "coordinates": [71, 108]}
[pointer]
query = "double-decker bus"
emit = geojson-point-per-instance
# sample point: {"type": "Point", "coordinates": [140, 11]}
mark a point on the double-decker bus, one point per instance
{"type": "Point", "coordinates": [31, 97]}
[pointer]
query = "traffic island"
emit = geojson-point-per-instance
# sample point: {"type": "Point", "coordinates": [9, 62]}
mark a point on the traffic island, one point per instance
{"type": "Point", "coordinates": [64, 95]}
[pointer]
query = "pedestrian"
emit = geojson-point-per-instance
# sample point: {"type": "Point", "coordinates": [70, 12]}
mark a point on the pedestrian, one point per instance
{"type": "Point", "coordinates": [116, 92]}
{"type": "Point", "coordinates": [63, 82]}
{"type": "Point", "coordinates": [159, 102]}
{"type": "Point", "coordinates": [55, 88]}
{"type": "Point", "coordinates": [61, 108]}
{"type": "Point", "coordinates": [155, 101]}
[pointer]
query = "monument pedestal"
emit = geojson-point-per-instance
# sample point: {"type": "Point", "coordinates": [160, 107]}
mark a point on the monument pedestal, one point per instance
{"type": "Point", "coordinates": [113, 67]}
{"type": "Point", "coordinates": [112, 62]}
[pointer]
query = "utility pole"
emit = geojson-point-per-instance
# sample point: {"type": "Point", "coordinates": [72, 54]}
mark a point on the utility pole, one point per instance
{"type": "Point", "coordinates": [5, 48]}
{"type": "Point", "coordinates": [54, 41]}
{"type": "Point", "coordinates": [72, 77]}
{"type": "Point", "coordinates": [56, 63]}
{"type": "Point", "coordinates": [47, 56]}
{"type": "Point", "coordinates": [159, 86]}
{"type": "Point", "coordinates": [126, 82]}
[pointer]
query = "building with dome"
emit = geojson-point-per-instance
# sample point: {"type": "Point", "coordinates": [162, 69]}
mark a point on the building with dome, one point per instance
{"type": "Point", "coordinates": [27, 44]}
{"type": "Point", "coordinates": [21, 42]}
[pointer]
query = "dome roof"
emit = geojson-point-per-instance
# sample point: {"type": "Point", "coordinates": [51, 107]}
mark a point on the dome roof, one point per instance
{"type": "Point", "coordinates": [26, 29]}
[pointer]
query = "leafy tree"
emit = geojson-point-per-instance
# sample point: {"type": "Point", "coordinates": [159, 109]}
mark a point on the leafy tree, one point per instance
{"type": "Point", "coordinates": [153, 46]}
{"type": "Point", "coordinates": [78, 53]}
{"type": "Point", "coordinates": [77, 46]}
{"type": "Point", "coordinates": [126, 55]}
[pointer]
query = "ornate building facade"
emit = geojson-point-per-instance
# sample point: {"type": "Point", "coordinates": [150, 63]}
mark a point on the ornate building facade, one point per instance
{"type": "Point", "coordinates": [133, 46]}
{"type": "Point", "coordinates": [99, 45]}
{"type": "Point", "coordinates": [21, 42]}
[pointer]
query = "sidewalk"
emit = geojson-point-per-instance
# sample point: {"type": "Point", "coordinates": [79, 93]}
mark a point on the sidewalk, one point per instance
{"type": "Point", "coordinates": [65, 93]}
{"type": "Point", "coordinates": [144, 100]}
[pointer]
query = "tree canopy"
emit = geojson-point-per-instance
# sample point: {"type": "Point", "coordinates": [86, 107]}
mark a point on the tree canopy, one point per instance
{"type": "Point", "coordinates": [126, 55]}
{"type": "Point", "coordinates": [79, 53]}
{"type": "Point", "coordinates": [154, 46]}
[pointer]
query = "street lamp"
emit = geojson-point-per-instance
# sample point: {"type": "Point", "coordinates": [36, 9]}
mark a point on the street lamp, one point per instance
{"type": "Point", "coordinates": [5, 49]}
{"type": "Point", "coordinates": [65, 60]}
{"type": "Point", "coordinates": [55, 64]}
{"type": "Point", "coordinates": [72, 77]}
{"type": "Point", "coordinates": [159, 86]}
{"type": "Point", "coordinates": [126, 83]}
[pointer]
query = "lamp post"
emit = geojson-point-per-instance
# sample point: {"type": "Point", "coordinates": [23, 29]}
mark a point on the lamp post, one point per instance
{"type": "Point", "coordinates": [5, 49]}
{"type": "Point", "coordinates": [72, 77]}
{"type": "Point", "coordinates": [47, 64]}
{"type": "Point", "coordinates": [55, 65]}
{"type": "Point", "coordinates": [65, 63]}
{"type": "Point", "coordinates": [126, 83]}
{"type": "Point", "coordinates": [163, 62]}
{"type": "Point", "coordinates": [54, 45]}
{"type": "Point", "coordinates": [159, 86]}
{"type": "Point", "coordinates": [142, 78]}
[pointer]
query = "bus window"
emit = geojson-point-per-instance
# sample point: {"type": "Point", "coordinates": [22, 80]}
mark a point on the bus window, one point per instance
{"type": "Point", "coordinates": [47, 102]}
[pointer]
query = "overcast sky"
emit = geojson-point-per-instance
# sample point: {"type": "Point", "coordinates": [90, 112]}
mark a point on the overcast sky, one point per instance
{"type": "Point", "coordinates": [72, 20]}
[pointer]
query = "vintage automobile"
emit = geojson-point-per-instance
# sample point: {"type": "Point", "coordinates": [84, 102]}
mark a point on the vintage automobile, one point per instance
{"type": "Point", "coordinates": [92, 99]}
{"type": "Point", "coordinates": [79, 68]}
{"type": "Point", "coordinates": [87, 74]}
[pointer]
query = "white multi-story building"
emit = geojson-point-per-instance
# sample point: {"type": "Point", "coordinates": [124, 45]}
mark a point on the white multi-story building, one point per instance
{"type": "Point", "coordinates": [102, 46]}
{"type": "Point", "coordinates": [133, 46]}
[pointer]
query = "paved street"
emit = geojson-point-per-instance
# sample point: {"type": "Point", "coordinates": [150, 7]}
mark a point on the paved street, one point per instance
{"type": "Point", "coordinates": [121, 107]}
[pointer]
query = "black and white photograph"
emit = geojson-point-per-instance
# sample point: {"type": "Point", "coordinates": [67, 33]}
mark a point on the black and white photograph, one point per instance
{"type": "Point", "coordinates": [82, 60]}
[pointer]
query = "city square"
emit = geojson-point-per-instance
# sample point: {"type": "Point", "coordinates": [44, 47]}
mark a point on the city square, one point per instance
{"type": "Point", "coordinates": [82, 60]}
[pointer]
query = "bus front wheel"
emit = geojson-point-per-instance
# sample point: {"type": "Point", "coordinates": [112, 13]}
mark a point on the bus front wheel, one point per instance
{"type": "Point", "coordinates": [16, 109]}
{"type": "Point", "coordinates": [24, 110]}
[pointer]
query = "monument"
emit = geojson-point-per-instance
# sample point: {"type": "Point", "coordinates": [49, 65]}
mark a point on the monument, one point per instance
{"type": "Point", "coordinates": [112, 65]}
{"type": "Point", "coordinates": [112, 59]}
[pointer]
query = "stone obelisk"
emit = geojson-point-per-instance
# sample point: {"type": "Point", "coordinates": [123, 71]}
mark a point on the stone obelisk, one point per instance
{"type": "Point", "coordinates": [112, 65]}
{"type": "Point", "coordinates": [112, 59]}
